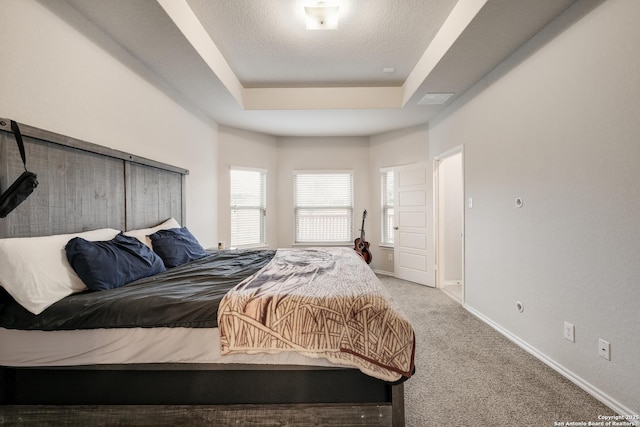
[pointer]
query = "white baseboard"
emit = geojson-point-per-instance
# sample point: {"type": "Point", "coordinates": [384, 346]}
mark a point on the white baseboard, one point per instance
{"type": "Point", "coordinates": [384, 273]}
{"type": "Point", "coordinates": [580, 382]}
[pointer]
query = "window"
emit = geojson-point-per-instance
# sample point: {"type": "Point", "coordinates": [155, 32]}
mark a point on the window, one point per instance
{"type": "Point", "coordinates": [387, 207]}
{"type": "Point", "coordinates": [323, 207]}
{"type": "Point", "coordinates": [248, 207]}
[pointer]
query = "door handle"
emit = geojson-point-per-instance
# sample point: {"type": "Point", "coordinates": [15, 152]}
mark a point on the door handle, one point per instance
{"type": "Point", "coordinates": [395, 228]}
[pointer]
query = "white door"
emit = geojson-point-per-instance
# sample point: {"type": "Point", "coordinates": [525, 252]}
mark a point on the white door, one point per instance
{"type": "Point", "coordinates": [413, 260]}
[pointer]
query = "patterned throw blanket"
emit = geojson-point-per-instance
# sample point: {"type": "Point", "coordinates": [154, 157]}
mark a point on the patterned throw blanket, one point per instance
{"type": "Point", "coordinates": [321, 302]}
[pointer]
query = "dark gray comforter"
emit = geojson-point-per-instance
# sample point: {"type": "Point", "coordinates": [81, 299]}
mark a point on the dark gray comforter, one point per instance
{"type": "Point", "coordinates": [185, 296]}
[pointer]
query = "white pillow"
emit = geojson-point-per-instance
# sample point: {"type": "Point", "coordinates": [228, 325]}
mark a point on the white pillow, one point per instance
{"type": "Point", "coordinates": [35, 270]}
{"type": "Point", "coordinates": [143, 234]}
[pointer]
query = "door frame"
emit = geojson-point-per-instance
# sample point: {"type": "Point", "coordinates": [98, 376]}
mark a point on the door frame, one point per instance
{"type": "Point", "coordinates": [438, 230]}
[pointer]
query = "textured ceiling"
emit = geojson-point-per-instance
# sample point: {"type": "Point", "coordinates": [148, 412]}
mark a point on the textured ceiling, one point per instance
{"type": "Point", "coordinates": [251, 64]}
{"type": "Point", "coordinates": [266, 43]}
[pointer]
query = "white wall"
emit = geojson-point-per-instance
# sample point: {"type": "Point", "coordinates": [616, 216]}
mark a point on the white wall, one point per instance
{"type": "Point", "coordinates": [281, 156]}
{"type": "Point", "coordinates": [389, 149]}
{"type": "Point", "coordinates": [557, 125]}
{"type": "Point", "coordinates": [321, 153]}
{"type": "Point", "coordinates": [60, 73]}
{"type": "Point", "coordinates": [242, 148]}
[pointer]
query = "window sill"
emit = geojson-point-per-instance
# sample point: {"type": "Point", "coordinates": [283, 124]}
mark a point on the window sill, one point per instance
{"type": "Point", "coordinates": [328, 244]}
{"type": "Point", "coordinates": [261, 246]}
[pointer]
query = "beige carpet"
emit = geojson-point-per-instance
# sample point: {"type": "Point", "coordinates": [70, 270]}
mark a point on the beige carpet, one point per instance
{"type": "Point", "coordinates": [468, 374]}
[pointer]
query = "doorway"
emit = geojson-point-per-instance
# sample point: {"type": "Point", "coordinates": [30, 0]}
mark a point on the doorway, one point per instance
{"type": "Point", "coordinates": [449, 210]}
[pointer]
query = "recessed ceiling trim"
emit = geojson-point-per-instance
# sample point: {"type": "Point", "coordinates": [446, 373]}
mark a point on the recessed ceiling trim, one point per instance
{"type": "Point", "coordinates": [330, 98]}
{"type": "Point", "coordinates": [187, 22]}
{"type": "Point", "coordinates": [467, 19]}
{"type": "Point", "coordinates": [462, 14]}
{"type": "Point", "coordinates": [316, 98]}
{"type": "Point", "coordinates": [275, 98]}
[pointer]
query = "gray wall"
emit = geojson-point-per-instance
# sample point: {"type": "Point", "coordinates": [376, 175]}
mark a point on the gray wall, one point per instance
{"type": "Point", "coordinates": [83, 85]}
{"type": "Point", "coordinates": [557, 125]}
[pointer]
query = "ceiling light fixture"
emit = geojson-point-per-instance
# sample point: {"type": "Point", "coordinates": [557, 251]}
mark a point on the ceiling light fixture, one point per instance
{"type": "Point", "coordinates": [321, 17]}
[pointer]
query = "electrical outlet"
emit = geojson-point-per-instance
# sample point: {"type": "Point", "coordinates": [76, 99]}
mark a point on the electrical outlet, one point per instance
{"type": "Point", "coordinates": [569, 332]}
{"type": "Point", "coordinates": [604, 349]}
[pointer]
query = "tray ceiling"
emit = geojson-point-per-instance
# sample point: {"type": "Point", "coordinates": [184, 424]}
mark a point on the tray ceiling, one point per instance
{"type": "Point", "coordinates": [251, 64]}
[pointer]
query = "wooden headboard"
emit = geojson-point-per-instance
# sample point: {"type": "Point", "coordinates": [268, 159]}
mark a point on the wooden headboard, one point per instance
{"type": "Point", "coordinates": [84, 186]}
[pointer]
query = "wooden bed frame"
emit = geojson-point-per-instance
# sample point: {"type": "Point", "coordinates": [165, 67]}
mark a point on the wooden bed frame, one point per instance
{"type": "Point", "coordinates": [84, 186]}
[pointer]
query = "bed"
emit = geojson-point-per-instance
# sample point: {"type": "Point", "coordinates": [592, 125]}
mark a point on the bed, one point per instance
{"type": "Point", "coordinates": [167, 355]}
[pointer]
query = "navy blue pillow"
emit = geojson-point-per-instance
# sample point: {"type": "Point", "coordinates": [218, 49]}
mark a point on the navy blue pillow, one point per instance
{"type": "Point", "coordinates": [113, 263]}
{"type": "Point", "coordinates": [176, 246]}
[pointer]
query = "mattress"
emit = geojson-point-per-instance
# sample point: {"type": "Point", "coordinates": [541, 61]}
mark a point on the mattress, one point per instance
{"type": "Point", "coordinates": [130, 346]}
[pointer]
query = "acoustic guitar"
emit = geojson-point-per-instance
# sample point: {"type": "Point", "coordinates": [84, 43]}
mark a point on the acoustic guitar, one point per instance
{"type": "Point", "coordinates": [361, 245]}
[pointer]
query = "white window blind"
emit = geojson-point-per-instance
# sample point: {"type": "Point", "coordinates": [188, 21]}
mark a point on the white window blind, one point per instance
{"type": "Point", "coordinates": [387, 207]}
{"type": "Point", "coordinates": [323, 207]}
{"type": "Point", "coordinates": [248, 207]}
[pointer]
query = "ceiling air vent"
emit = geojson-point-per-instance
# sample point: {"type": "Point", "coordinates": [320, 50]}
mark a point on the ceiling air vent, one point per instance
{"type": "Point", "coordinates": [435, 98]}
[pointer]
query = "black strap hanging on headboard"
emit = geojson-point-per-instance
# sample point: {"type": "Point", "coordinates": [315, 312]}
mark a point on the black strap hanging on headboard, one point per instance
{"type": "Point", "coordinates": [21, 187]}
{"type": "Point", "coordinates": [18, 135]}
